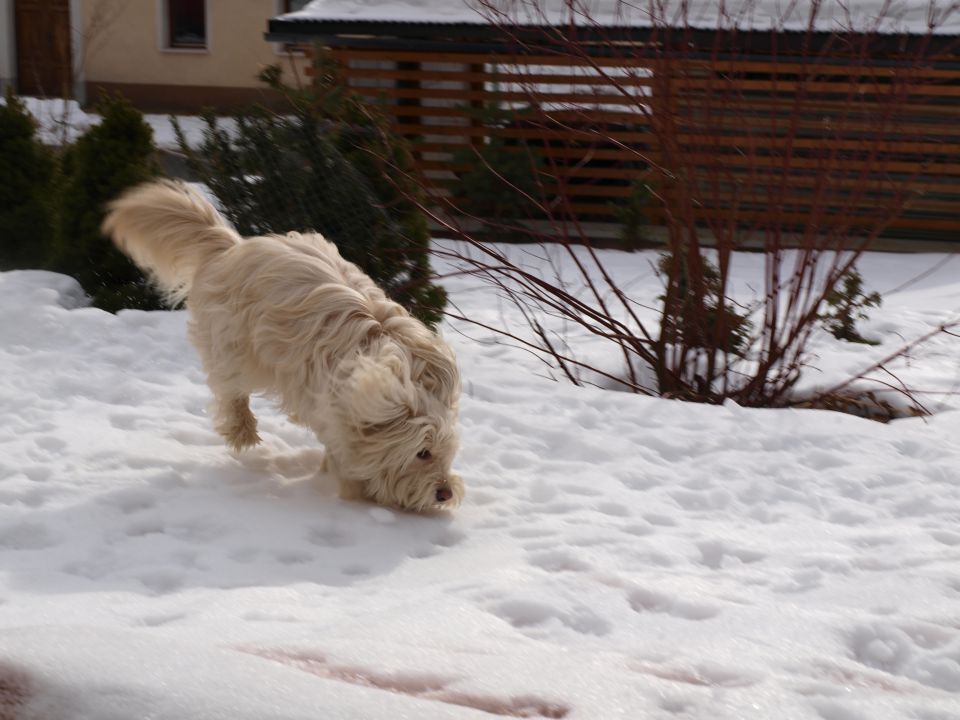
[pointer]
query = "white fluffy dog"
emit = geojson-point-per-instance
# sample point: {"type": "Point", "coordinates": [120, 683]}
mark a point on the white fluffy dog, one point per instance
{"type": "Point", "coordinates": [286, 316]}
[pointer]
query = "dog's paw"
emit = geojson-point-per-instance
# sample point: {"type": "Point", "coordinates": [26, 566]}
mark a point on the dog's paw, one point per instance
{"type": "Point", "coordinates": [243, 436]}
{"type": "Point", "coordinates": [239, 444]}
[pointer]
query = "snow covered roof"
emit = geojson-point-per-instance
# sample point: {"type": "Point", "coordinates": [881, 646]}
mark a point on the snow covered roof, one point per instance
{"type": "Point", "coordinates": [831, 15]}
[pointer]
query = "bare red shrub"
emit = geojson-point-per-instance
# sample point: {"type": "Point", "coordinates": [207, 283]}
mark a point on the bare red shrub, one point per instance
{"type": "Point", "coordinates": [806, 136]}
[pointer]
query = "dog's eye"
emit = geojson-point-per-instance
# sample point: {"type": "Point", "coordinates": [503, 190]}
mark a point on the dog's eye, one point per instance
{"type": "Point", "coordinates": [424, 455]}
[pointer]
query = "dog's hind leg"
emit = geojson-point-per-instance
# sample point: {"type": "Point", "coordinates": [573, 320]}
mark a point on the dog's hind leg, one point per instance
{"type": "Point", "coordinates": [234, 421]}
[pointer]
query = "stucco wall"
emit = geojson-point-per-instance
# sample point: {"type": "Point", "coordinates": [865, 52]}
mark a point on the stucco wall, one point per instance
{"type": "Point", "coordinates": [128, 48]}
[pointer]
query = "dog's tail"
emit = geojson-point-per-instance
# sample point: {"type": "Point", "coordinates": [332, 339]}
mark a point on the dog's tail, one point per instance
{"type": "Point", "coordinates": [169, 230]}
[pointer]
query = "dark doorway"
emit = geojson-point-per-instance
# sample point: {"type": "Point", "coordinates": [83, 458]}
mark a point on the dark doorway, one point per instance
{"type": "Point", "coordinates": [44, 63]}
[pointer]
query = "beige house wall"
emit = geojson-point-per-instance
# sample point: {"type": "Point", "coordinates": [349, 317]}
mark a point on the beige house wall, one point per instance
{"type": "Point", "coordinates": [8, 60]}
{"type": "Point", "coordinates": [125, 50]}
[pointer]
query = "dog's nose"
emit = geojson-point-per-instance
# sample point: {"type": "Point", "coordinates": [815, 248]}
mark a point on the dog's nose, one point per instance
{"type": "Point", "coordinates": [444, 493]}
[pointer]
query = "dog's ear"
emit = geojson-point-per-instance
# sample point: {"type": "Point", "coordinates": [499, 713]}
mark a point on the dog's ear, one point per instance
{"type": "Point", "coordinates": [435, 369]}
{"type": "Point", "coordinates": [438, 375]}
{"type": "Point", "coordinates": [377, 393]}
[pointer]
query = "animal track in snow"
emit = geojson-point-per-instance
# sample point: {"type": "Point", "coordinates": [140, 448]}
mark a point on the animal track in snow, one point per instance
{"type": "Point", "coordinates": [330, 537]}
{"type": "Point", "coordinates": [195, 436]}
{"type": "Point", "coordinates": [701, 501]}
{"type": "Point", "coordinates": [524, 614]}
{"type": "Point", "coordinates": [639, 529]}
{"type": "Point", "coordinates": [50, 443]}
{"type": "Point", "coordinates": [131, 500]}
{"type": "Point", "coordinates": [244, 554]}
{"type": "Point", "coordinates": [850, 517]}
{"type": "Point", "coordinates": [946, 537]}
{"type": "Point", "coordinates": [423, 552]}
{"type": "Point", "coordinates": [635, 480]}
{"type": "Point", "coordinates": [531, 532]}
{"type": "Point", "coordinates": [292, 557]}
{"type": "Point", "coordinates": [270, 616]}
{"type": "Point", "coordinates": [125, 420]}
{"type": "Point", "coordinates": [449, 538]}
{"type": "Point", "coordinates": [835, 710]}
{"type": "Point", "coordinates": [644, 601]}
{"type": "Point", "coordinates": [161, 581]}
{"type": "Point", "coordinates": [355, 570]}
{"type": "Point", "coordinates": [714, 554]}
{"type": "Point", "coordinates": [614, 509]}
{"type": "Point", "coordinates": [38, 473]}
{"type": "Point", "coordinates": [801, 581]}
{"type": "Point", "coordinates": [821, 460]}
{"type": "Point", "coordinates": [146, 526]}
{"type": "Point", "coordinates": [582, 490]}
{"type": "Point", "coordinates": [559, 561]}
{"type": "Point", "coordinates": [25, 535]}
{"type": "Point", "coordinates": [514, 460]}
{"type": "Point", "coordinates": [479, 498]}
{"type": "Point", "coordinates": [161, 619]}
{"type": "Point", "coordinates": [926, 655]}
{"type": "Point", "coordinates": [677, 704]}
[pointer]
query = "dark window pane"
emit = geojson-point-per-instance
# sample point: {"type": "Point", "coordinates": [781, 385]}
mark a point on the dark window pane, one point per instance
{"type": "Point", "coordinates": [188, 25]}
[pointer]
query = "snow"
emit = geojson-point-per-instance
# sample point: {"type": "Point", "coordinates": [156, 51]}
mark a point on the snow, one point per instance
{"type": "Point", "coordinates": [617, 556]}
{"type": "Point", "coordinates": [63, 121]}
{"type": "Point", "coordinates": [832, 15]}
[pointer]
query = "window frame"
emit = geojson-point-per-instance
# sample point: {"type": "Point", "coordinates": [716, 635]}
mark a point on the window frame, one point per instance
{"type": "Point", "coordinates": [167, 41]}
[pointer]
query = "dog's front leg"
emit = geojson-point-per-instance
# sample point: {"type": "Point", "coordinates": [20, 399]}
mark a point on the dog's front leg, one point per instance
{"type": "Point", "coordinates": [234, 421]}
{"type": "Point", "coordinates": [354, 491]}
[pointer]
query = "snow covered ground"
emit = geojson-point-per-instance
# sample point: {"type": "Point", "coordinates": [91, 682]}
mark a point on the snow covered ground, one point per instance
{"type": "Point", "coordinates": [616, 557]}
{"type": "Point", "coordinates": [62, 121]}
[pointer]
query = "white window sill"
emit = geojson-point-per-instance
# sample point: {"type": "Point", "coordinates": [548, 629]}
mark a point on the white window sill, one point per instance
{"type": "Point", "coordinates": [186, 51]}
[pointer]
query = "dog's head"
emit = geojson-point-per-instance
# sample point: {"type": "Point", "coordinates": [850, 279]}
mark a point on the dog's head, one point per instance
{"type": "Point", "coordinates": [398, 427]}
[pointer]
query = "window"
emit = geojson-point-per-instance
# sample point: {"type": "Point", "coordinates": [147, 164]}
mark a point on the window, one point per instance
{"type": "Point", "coordinates": [186, 24]}
{"type": "Point", "coordinates": [293, 5]}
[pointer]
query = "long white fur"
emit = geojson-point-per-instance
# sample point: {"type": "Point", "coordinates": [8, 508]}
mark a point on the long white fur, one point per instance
{"type": "Point", "coordinates": [287, 316]}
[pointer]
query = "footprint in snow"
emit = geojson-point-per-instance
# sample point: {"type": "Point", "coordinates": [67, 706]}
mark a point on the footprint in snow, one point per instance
{"type": "Point", "coordinates": [716, 555]}
{"type": "Point", "coordinates": [926, 655]}
{"type": "Point", "coordinates": [559, 561]}
{"type": "Point", "coordinates": [329, 537]}
{"type": "Point", "coordinates": [649, 601]}
{"type": "Point", "coordinates": [525, 614]}
{"type": "Point", "coordinates": [292, 557]}
{"type": "Point", "coordinates": [26, 535]}
{"type": "Point", "coordinates": [50, 443]}
{"type": "Point", "coordinates": [355, 570]}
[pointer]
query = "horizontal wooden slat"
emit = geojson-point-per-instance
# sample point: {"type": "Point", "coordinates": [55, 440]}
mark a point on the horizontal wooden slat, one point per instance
{"type": "Point", "coordinates": [498, 78]}
{"type": "Point", "coordinates": [602, 118]}
{"type": "Point", "coordinates": [936, 186]}
{"type": "Point", "coordinates": [733, 143]}
{"type": "Point", "coordinates": [477, 58]}
{"type": "Point", "coordinates": [812, 67]}
{"type": "Point", "coordinates": [519, 96]}
{"type": "Point", "coordinates": [760, 218]}
{"type": "Point", "coordinates": [740, 135]}
{"type": "Point", "coordinates": [700, 160]}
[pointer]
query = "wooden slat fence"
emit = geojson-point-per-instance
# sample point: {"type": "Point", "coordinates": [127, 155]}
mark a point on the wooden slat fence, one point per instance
{"type": "Point", "coordinates": [784, 141]}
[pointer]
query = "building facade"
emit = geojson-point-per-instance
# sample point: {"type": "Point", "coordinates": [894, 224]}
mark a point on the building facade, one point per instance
{"type": "Point", "coordinates": [167, 55]}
